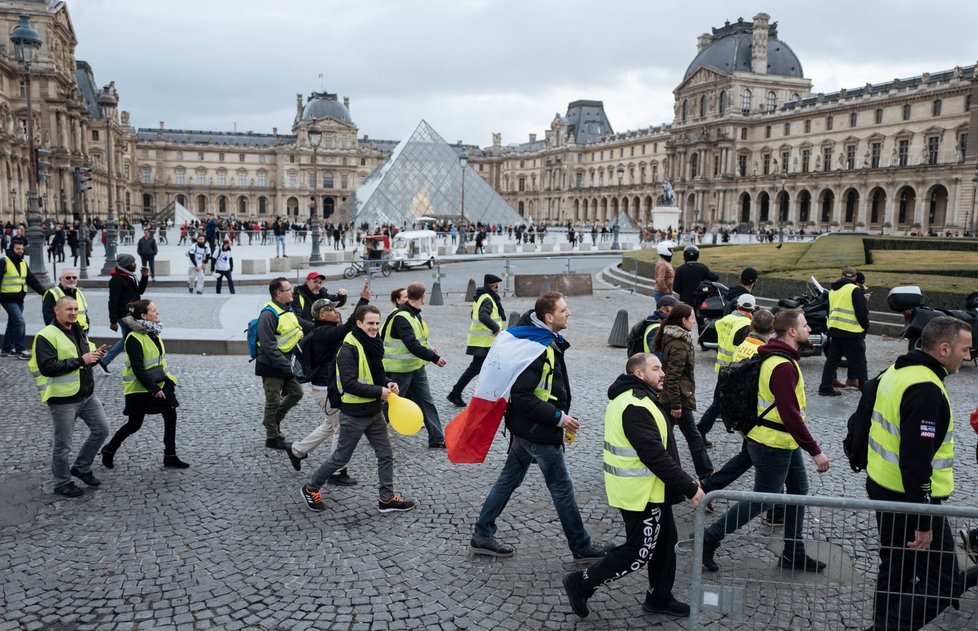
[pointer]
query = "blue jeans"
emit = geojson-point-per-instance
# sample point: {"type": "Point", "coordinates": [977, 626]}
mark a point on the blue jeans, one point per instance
{"type": "Point", "coordinates": [118, 347]}
{"type": "Point", "coordinates": [14, 338]}
{"type": "Point", "coordinates": [279, 240]}
{"type": "Point", "coordinates": [414, 386]}
{"type": "Point", "coordinates": [550, 459]}
{"type": "Point", "coordinates": [774, 469]}
{"type": "Point", "coordinates": [64, 414]}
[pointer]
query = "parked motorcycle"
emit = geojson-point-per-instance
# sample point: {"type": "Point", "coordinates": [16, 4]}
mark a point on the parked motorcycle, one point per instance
{"type": "Point", "coordinates": [909, 301]}
{"type": "Point", "coordinates": [814, 303]}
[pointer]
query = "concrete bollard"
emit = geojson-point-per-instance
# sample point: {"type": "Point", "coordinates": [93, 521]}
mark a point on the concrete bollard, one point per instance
{"type": "Point", "coordinates": [470, 291]}
{"type": "Point", "coordinates": [435, 298]}
{"type": "Point", "coordinates": [545, 286]}
{"type": "Point", "coordinates": [514, 319]}
{"type": "Point", "coordinates": [619, 332]}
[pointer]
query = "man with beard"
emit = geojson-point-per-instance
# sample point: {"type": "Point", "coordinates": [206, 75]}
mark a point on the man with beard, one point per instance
{"type": "Point", "coordinates": [15, 278]}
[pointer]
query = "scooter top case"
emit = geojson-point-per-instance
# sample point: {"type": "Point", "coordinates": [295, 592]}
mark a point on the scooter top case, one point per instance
{"type": "Point", "coordinates": [904, 298]}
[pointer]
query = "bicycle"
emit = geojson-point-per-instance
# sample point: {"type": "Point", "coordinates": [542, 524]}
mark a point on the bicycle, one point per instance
{"type": "Point", "coordinates": [366, 266]}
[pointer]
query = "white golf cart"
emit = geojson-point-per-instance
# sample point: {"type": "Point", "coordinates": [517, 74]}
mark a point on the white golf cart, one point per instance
{"type": "Point", "coordinates": [413, 248]}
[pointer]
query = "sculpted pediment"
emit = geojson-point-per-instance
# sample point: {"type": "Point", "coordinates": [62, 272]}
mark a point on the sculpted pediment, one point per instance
{"type": "Point", "coordinates": [702, 76]}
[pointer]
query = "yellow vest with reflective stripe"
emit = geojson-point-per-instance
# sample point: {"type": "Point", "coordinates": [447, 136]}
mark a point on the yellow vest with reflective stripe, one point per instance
{"type": "Point", "coordinates": [479, 334]}
{"type": "Point", "coordinates": [289, 331]}
{"type": "Point", "coordinates": [546, 384]}
{"type": "Point", "coordinates": [883, 461]}
{"type": "Point", "coordinates": [766, 435]}
{"type": "Point", "coordinates": [363, 372]}
{"type": "Point", "coordinates": [649, 330]}
{"type": "Point", "coordinates": [397, 357]}
{"type": "Point", "coordinates": [627, 481]}
{"type": "Point", "coordinates": [59, 293]}
{"type": "Point", "coordinates": [727, 328]}
{"type": "Point", "coordinates": [747, 349]}
{"type": "Point", "coordinates": [842, 313]}
{"type": "Point", "coordinates": [154, 362]}
{"type": "Point", "coordinates": [14, 277]}
{"type": "Point", "coordinates": [63, 385]}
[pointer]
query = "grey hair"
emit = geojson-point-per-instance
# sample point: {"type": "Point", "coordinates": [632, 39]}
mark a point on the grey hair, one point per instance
{"type": "Point", "coordinates": [940, 330]}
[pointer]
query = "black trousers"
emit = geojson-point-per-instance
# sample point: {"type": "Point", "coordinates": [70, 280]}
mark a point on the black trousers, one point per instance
{"type": "Point", "coordinates": [136, 421]}
{"type": "Point", "coordinates": [650, 541]}
{"type": "Point", "coordinates": [854, 350]}
{"type": "Point", "coordinates": [470, 373]}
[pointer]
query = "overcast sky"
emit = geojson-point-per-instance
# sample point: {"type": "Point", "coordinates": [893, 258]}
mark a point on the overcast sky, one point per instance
{"type": "Point", "coordinates": [471, 68]}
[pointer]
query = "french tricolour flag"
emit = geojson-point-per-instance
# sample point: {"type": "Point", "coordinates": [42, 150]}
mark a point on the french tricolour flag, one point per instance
{"type": "Point", "coordinates": [469, 435]}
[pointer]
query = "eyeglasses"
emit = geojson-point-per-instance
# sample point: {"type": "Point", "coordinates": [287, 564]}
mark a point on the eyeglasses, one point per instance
{"type": "Point", "coordinates": [71, 278]}
{"type": "Point", "coordinates": [289, 289]}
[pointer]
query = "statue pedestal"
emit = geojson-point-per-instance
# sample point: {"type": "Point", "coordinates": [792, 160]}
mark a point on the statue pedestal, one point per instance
{"type": "Point", "coordinates": [665, 217]}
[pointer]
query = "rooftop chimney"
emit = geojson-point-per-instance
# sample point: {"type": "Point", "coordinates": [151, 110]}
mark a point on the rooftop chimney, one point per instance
{"type": "Point", "coordinates": [759, 44]}
{"type": "Point", "coordinates": [533, 138]}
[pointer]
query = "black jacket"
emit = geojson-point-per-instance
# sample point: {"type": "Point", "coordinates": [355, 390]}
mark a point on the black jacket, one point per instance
{"type": "Point", "coordinates": [49, 365]}
{"type": "Point", "coordinates": [688, 277]}
{"type": "Point", "coordinates": [146, 402]}
{"type": "Point", "coordinates": [642, 432]}
{"type": "Point", "coordinates": [731, 298]}
{"type": "Point", "coordinates": [485, 313]}
{"type": "Point", "coordinates": [323, 343]}
{"type": "Point", "coordinates": [123, 289]}
{"type": "Point", "coordinates": [859, 305]}
{"type": "Point", "coordinates": [401, 330]}
{"type": "Point", "coordinates": [32, 281]}
{"type": "Point", "coordinates": [348, 360]}
{"type": "Point", "coordinates": [147, 248]}
{"type": "Point", "coordinates": [303, 307]}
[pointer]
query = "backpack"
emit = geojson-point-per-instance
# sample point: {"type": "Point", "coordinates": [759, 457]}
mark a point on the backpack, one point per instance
{"type": "Point", "coordinates": [252, 332]}
{"type": "Point", "coordinates": [301, 368]}
{"type": "Point", "coordinates": [635, 343]}
{"type": "Point", "coordinates": [856, 443]}
{"type": "Point", "coordinates": [737, 387]}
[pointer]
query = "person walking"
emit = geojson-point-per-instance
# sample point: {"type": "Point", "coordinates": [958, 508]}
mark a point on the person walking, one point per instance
{"type": "Point", "coordinates": [147, 249]}
{"type": "Point", "coordinates": [15, 278]}
{"type": "Point", "coordinates": [407, 352]}
{"type": "Point", "coordinates": [665, 275]}
{"type": "Point", "coordinates": [310, 291]}
{"type": "Point", "coordinates": [147, 383]}
{"type": "Point", "coordinates": [847, 324]}
{"type": "Point", "coordinates": [279, 230]}
{"type": "Point", "coordinates": [537, 416]}
{"type": "Point", "coordinates": [278, 333]}
{"type": "Point", "coordinates": [224, 266]}
{"type": "Point", "coordinates": [689, 275]}
{"type": "Point", "coordinates": [197, 256]}
{"type": "Point", "coordinates": [674, 341]}
{"type": "Point", "coordinates": [61, 364]}
{"type": "Point", "coordinates": [123, 289]}
{"type": "Point", "coordinates": [642, 479]}
{"type": "Point", "coordinates": [67, 286]}
{"type": "Point", "coordinates": [663, 307]}
{"type": "Point", "coordinates": [485, 324]}
{"type": "Point", "coordinates": [210, 235]}
{"type": "Point", "coordinates": [359, 375]}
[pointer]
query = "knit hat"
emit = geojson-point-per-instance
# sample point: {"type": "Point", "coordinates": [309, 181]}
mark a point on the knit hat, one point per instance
{"type": "Point", "coordinates": [489, 279]}
{"type": "Point", "coordinates": [125, 260]}
{"type": "Point", "coordinates": [666, 301]}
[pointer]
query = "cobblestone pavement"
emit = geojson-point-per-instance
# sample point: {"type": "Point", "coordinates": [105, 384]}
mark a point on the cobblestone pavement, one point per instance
{"type": "Point", "coordinates": [229, 544]}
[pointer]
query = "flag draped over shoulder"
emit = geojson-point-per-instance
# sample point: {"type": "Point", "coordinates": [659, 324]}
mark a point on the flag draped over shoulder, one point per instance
{"type": "Point", "coordinates": [469, 435]}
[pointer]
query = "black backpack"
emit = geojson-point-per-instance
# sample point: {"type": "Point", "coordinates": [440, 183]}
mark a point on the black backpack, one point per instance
{"type": "Point", "coordinates": [856, 443]}
{"type": "Point", "coordinates": [737, 387]}
{"type": "Point", "coordinates": [636, 338]}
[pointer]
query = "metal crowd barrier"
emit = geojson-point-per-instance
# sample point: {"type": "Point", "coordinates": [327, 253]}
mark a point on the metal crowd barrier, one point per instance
{"type": "Point", "coordinates": [751, 591]}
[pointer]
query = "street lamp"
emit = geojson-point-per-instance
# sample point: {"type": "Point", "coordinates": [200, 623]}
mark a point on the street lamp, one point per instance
{"type": "Point", "coordinates": [463, 160]}
{"type": "Point", "coordinates": [621, 173]}
{"type": "Point", "coordinates": [26, 43]}
{"type": "Point", "coordinates": [974, 203]}
{"type": "Point", "coordinates": [782, 209]}
{"type": "Point", "coordinates": [315, 258]}
{"type": "Point", "coordinates": [13, 205]}
{"type": "Point", "coordinates": [107, 101]}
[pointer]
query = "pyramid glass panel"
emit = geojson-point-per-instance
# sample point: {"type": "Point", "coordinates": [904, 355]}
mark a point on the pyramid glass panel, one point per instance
{"type": "Point", "coordinates": [423, 178]}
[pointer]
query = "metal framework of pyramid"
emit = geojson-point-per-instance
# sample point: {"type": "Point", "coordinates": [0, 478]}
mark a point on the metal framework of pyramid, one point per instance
{"type": "Point", "coordinates": [423, 178]}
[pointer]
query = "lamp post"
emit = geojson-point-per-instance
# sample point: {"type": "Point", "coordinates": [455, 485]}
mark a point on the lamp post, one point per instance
{"type": "Point", "coordinates": [26, 43]}
{"type": "Point", "coordinates": [315, 258]}
{"type": "Point", "coordinates": [13, 205]}
{"type": "Point", "coordinates": [463, 160]}
{"type": "Point", "coordinates": [974, 204]}
{"type": "Point", "coordinates": [615, 245]}
{"type": "Point", "coordinates": [107, 101]}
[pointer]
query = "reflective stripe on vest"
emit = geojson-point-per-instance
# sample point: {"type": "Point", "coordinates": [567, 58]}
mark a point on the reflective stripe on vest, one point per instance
{"type": "Point", "coordinates": [883, 459]}
{"type": "Point", "coordinates": [154, 363]}
{"type": "Point", "coordinates": [765, 398]}
{"type": "Point", "coordinates": [544, 388]}
{"type": "Point", "coordinates": [727, 328]}
{"type": "Point", "coordinates": [14, 277]}
{"type": "Point", "coordinates": [479, 334]}
{"type": "Point", "coordinates": [289, 331]}
{"type": "Point", "coordinates": [650, 330]}
{"type": "Point", "coordinates": [59, 293]}
{"type": "Point", "coordinates": [628, 483]}
{"type": "Point", "coordinates": [363, 372]}
{"type": "Point", "coordinates": [63, 385]}
{"type": "Point", "coordinates": [842, 313]}
{"type": "Point", "coordinates": [397, 357]}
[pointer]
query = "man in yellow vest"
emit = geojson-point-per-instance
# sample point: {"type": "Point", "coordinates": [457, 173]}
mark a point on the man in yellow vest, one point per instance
{"type": "Point", "coordinates": [407, 352]}
{"type": "Point", "coordinates": [643, 479]}
{"type": "Point", "coordinates": [67, 286]}
{"type": "Point", "coordinates": [775, 445]}
{"type": "Point", "coordinates": [485, 324]}
{"type": "Point", "coordinates": [15, 278]}
{"type": "Point", "coordinates": [910, 459]}
{"type": "Point", "coordinates": [61, 365]}
{"type": "Point", "coordinates": [279, 332]}
{"type": "Point", "coordinates": [847, 324]}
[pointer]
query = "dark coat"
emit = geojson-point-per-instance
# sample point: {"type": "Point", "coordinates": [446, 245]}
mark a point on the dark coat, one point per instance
{"type": "Point", "coordinates": [485, 313]}
{"type": "Point", "coordinates": [49, 365]}
{"type": "Point", "coordinates": [123, 289]}
{"type": "Point", "coordinates": [678, 362]}
{"type": "Point", "coordinates": [146, 402]}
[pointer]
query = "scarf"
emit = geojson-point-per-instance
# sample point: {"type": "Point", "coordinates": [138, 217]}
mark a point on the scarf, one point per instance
{"type": "Point", "coordinates": [151, 327]}
{"type": "Point", "coordinates": [374, 348]}
{"type": "Point", "coordinates": [125, 271]}
{"type": "Point", "coordinates": [499, 303]}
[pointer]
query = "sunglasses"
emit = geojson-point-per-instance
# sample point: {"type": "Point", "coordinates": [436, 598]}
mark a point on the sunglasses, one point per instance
{"type": "Point", "coordinates": [71, 278]}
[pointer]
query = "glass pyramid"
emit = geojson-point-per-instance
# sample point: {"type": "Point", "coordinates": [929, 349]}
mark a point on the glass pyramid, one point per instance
{"type": "Point", "coordinates": [423, 178]}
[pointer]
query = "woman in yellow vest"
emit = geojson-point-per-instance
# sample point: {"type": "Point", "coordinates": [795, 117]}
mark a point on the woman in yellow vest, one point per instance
{"type": "Point", "coordinates": [148, 385]}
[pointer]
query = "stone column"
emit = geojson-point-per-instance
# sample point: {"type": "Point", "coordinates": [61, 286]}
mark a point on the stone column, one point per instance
{"type": "Point", "coordinates": [889, 213]}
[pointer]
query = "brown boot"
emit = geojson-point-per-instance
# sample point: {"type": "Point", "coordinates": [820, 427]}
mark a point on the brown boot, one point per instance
{"type": "Point", "coordinates": [838, 384]}
{"type": "Point", "coordinates": [853, 383]}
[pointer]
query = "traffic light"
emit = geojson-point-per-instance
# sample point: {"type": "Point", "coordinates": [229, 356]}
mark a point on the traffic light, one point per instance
{"type": "Point", "coordinates": [83, 179]}
{"type": "Point", "coordinates": [42, 162]}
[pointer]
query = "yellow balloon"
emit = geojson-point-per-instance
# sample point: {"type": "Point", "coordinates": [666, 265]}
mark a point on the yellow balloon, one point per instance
{"type": "Point", "coordinates": [404, 414]}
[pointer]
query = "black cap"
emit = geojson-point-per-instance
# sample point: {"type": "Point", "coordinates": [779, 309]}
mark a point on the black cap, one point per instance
{"type": "Point", "coordinates": [489, 279]}
{"type": "Point", "coordinates": [748, 276]}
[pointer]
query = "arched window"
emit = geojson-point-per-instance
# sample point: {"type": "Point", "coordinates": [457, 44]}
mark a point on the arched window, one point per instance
{"type": "Point", "coordinates": [745, 100]}
{"type": "Point", "coordinates": [795, 97]}
{"type": "Point", "coordinates": [262, 205]}
{"type": "Point", "coordinates": [222, 204]}
{"type": "Point", "coordinates": [723, 101]}
{"type": "Point", "coordinates": [703, 106]}
{"type": "Point", "coordinates": [772, 101]}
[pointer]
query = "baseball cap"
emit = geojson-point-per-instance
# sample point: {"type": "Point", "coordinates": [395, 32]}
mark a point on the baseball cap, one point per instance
{"type": "Point", "coordinates": [320, 305]}
{"type": "Point", "coordinates": [746, 302]}
{"type": "Point", "coordinates": [748, 276]}
{"type": "Point", "coordinates": [848, 272]}
{"type": "Point", "coordinates": [312, 275]}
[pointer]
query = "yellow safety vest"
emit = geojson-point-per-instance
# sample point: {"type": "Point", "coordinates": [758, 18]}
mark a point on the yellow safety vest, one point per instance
{"type": "Point", "coordinates": [544, 388]}
{"type": "Point", "coordinates": [59, 293]}
{"type": "Point", "coordinates": [14, 277]}
{"type": "Point", "coordinates": [627, 481]}
{"type": "Point", "coordinates": [650, 330]}
{"type": "Point", "coordinates": [747, 349]}
{"type": "Point", "coordinates": [479, 334]}
{"type": "Point", "coordinates": [289, 331]}
{"type": "Point", "coordinates": [397, 357]}
{"type": "Point", "coordinates": [727, 328]}
{"type": "Point", "coordinates": [65, 385]}
{"type": "Point", "coordinates": [363, 372]}
{"type": "Point", "coordinates": [842, 313]}
{"type": "Point", "coordinates": [883, 458]}
{"type": "Point", "coordinates": [154, 362]}
{"type": "Point", "coordinates": [779, 439]}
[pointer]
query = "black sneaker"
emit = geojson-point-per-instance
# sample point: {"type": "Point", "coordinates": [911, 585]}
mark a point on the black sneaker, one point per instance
{"type": "Point", "coordinates": [294, 459]}
{"type": "Point", "coordinates": [341, 479]}
{"type": "Point", "coordinates": [88, 478]}
{"type": "Point", "coordinates": [276, 443]}
{"type": "Point", "coordinates": [69, 490]}
{"type": "Point", "coordinates": [455, 399]}
{"type": "Point", "coordinates": [438, 444]}
{"type": "Point", "coordinates": [491, 548]}
{"type": "Point", "coordinates": [594, 553]}
{"type": "Point", "coordinates": [314, 499]}
{"type": "Point", "coordinates": [575, 593]}
{"type": "Point", "coordinates": [396, 504]}
{"type": "Point", "coordinates": [107, 458]}
{"type": "Point", "coordinates": [806, 563]}
{"type": "Point", "coordinates": [829, 392]}
{"type": "Point", "coordinates": [670, 607]}
{"type": "Point", "coordinates": [709, 550]}
{"type": "Point", "coordinates": [173, 462]}
{"type": "Point", "coordinates": [6, 353]}
{"type": "Point", "coordinates": [969, 541]}
{"type": "Point", "coordinates": [24, 355]}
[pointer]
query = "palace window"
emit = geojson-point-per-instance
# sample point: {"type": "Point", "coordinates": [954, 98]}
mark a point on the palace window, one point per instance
{"type": "Point", "coordinates": [903, 151]}
{"type": "Point", "coordinates": [694, 165]}
{"type": "Point", "coordinates": [829, 120]}
{"type": "Point", "coordinates": [806, 156]}
{"type": "Point", "coordinates": [222, 178]}
{"type": "Point", "coordinates": [967, 103]}
{"type": "Point", "coordinates": [521, 184]}
{"type": "Point", "coordinates": [853, 118]}
{"type": "Point", "coordinates": [875, 152]}
{"type": "Point", "coordinates": [242, 178]}
{"type": "Point", "coordinates": [328, 179]}
{"type": "Point", "coordinates": [743, 133]}
{"type": "Point", "coordinates": [878, 116]}
{"type": "Point", "coordinates": [808, 126]}
{"type": "Point", "coordinates": [827, 159]}
{"type": "Point", "coordinates": [933, 143]}
{"type": "Point", "coordinates": [262, 178]}
{"type": "Point", "coordinates": [767, 131]}
{"type": "Point", "coordinates": [936, 110]}
{"type": "Point", "coordinates": [787, 129]}
{"type": "Point", "coordinates": [293, 179]}
{"type": "Point", "coordinates": [742, 165]}
{"type": "Point", "coordinates": [344, 181]}
{"type": "Point", "coordinates": [963, 144]}
{"type": "Point", "coordinates": [745, 101]}
{"type": "Point", "coordinates": [241, 157]}
{"type": "Point", "coordinates": [144, 175]}
{"type": "Point", "coordinates": [181, 176]}
{"type": "Point", "coordinates": [785, 156]}
{"type": "Point", "coordinates": [772, 101]}
{"type": "Point", "coordinates": [702, 106]}
{"type": "Point", "coordinates": [723, 101]}
{"type": "Point", "coordinates": [220, 157]}
{"type": "Point", "coordinates": [683, 111]}
{"type": "Point", "coordinates": [201, 178]}
{"type": "Point", "coordinates": [850, 157]}
{"type": "Point", "coordinates": [200, 155]}
{"type": "Point", "coordinates": [767, 164]}
{"type": "Point", "coordinates": [94, 134]}
{"type": "Point", "coordinates": [906, 112]}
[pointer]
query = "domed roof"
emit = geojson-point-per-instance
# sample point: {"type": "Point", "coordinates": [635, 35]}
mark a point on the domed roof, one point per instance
{"type": "Point", "coordinates": [730, 51]}
{"type": "Point", "coordinates": [323, 105]}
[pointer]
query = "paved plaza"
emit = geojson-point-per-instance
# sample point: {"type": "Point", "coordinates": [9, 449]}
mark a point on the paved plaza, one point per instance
{"type": "Point", "coordinates": [229, 543]}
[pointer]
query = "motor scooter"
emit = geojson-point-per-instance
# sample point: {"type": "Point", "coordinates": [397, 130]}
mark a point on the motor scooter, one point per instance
{"type": "Point", "coordinates": [814, 303]}
{"type": "Point", "coordinates": [909, 301]}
